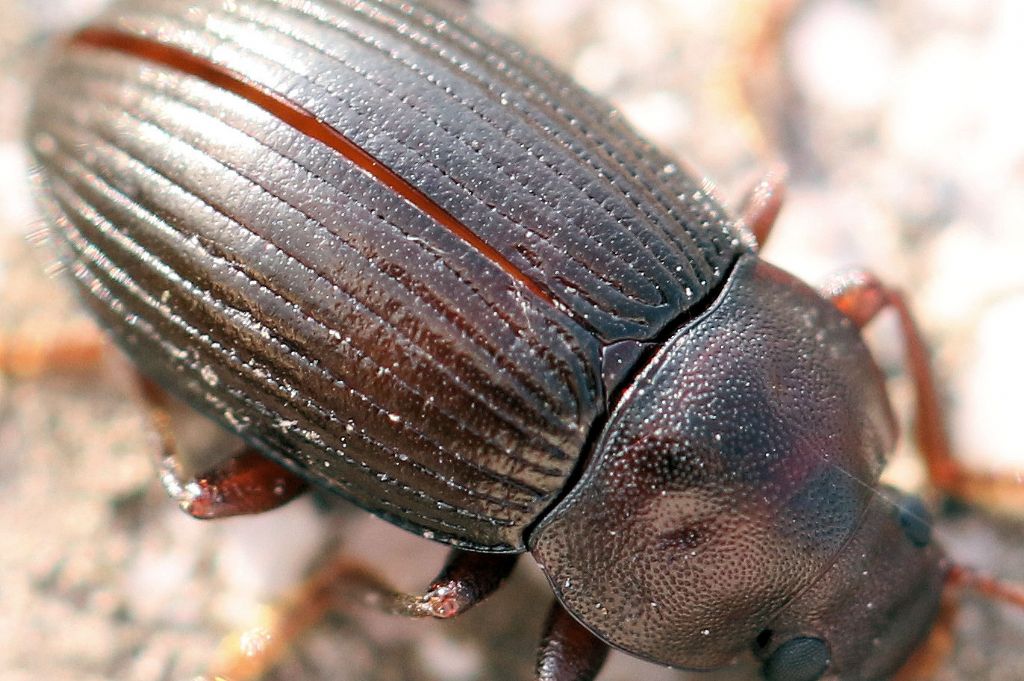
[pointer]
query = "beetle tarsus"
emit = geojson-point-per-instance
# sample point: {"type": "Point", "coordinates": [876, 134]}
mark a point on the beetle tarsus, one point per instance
{"type": "Point", "coordinates": [568, 651]}
{"type": "Point", "coordinates": [250, 654]}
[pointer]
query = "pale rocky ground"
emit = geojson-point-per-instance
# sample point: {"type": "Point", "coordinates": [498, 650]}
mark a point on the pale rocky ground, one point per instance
{"type": "Point", "coordinates": [903, 126]}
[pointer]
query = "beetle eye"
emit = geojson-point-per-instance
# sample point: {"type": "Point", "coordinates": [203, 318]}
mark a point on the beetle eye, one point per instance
{"type": "Point", "coordinates": [915, 520]}
{"type": "Point", "coordinates": [799, 659]}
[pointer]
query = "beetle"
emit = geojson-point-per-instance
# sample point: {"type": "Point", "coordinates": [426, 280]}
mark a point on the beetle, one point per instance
{"type": "Point", "coordinates": [412, 264]}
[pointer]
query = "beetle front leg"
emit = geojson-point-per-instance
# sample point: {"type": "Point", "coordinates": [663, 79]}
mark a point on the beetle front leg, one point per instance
{"type": "Point", "coordinates": [568, 651]}
{"type": "Point", "coordinates": [245, 484]}
{"type": "Point", "coordinates": [861, 296]}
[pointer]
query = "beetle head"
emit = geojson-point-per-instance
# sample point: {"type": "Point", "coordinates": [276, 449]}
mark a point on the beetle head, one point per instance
{"type": "Point", "coordinates": [729, 477]}
{"type": "Point", "coordinates": [863, 617]}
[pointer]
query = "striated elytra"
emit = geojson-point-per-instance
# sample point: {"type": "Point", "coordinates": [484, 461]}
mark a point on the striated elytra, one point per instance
{"type": "Point", "coordinates": [416, 266]}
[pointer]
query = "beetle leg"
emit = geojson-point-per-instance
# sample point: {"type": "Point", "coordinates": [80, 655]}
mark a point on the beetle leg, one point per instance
{"type": "Point", "coordinates": [755, 82]}
{"type": "Point", "coordinates": [568, 651]}
{"type": "Point", "coordinates": [246, 483]}
{"type": "Point", "coordinates": [26, 357]}
{"type": "Point", "coordinates": [861, 296]}
{"type": "Point", "coordinates": [466, 579]}
{"type": "Point", "coordinates": [762, 204]}
{"type": "Point", "coordinates": [925, 661]}
{"type": "Point", "coordinates": [960, 576]}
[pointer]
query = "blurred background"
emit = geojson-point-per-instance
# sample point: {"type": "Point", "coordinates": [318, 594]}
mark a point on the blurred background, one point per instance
{"type": "Point", "coordinates": [902, 124]}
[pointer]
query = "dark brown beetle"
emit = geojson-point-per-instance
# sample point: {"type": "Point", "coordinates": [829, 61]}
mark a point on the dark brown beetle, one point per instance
{"type": "Point", "coordinates": [410, 263]}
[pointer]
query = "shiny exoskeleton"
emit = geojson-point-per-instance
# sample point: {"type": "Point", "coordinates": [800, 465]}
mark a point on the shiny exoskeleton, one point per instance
{"type": "Point", "coordinates": [413, 264]}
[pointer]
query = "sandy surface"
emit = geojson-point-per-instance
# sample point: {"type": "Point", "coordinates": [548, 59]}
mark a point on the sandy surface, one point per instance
{"type": "Point", "coordinates": [902, 126]}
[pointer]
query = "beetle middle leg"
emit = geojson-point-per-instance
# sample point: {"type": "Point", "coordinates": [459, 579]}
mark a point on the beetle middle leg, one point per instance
{"type": "Point", "coordinates": [250, 483]}
{"type": "Point", "coordinates": [246, 483]}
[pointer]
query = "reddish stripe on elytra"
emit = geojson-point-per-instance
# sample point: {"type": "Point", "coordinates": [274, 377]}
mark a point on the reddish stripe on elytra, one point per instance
{"type": "Point", "coordinates": [306, 123]}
